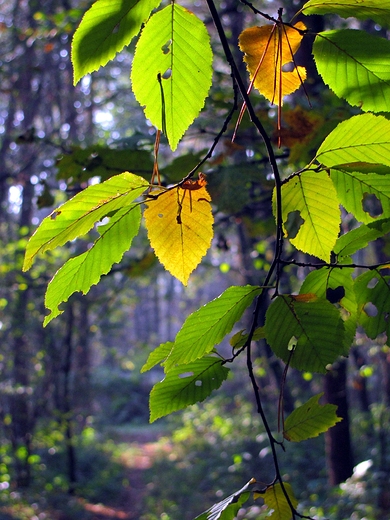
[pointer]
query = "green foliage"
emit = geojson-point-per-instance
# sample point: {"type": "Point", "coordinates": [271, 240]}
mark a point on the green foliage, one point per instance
{"type": "Point", "coordinates": [275, 499]}
{"type": "Point", "coordinates": [227, 508]}
{"type": "Point", "coordinates": [371, 9]}
{"type": "Point", "coordinates": [171, 77]}
{"type": "Point", "coordinates": [105, 29]}
{"type": "Point", "coordinates": [83, 163]}
{"type": "Point", "coordinates": [186, 384]}
{"type": "Point", "coordinates": [207, 326]}
{"type": "Point", "coordinates": [355, 142]}
{"type": "Point", "coordinates": [355, 66]}
{"type": "Point", "coordinates": [306, 334]}
{"type": "Point", "coordinates": [313, 195]}
{"type": "Point", "coordinates": [309, 420]}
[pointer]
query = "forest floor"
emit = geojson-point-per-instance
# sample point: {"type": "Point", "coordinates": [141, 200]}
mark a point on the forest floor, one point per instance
{"type": "Point", "coordinates": [140, 449]}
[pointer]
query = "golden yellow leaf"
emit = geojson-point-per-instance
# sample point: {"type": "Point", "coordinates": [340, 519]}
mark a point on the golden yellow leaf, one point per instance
{"type": "Point", "coordinates": [180, 227]}
{"type": "Point", "coordinates": [267, 50]}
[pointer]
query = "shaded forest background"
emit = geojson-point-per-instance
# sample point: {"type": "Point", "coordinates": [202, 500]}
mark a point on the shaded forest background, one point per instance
{"type": "Point", "coordinates": [75, 440]}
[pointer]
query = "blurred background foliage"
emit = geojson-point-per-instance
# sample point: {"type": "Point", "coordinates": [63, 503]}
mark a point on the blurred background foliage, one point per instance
{"type": "Point", "coordinates": [74, 435]}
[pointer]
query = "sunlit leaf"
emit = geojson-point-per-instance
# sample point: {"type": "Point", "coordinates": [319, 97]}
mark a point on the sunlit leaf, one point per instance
{"type": "Point", "coordinates": [356, 66]}
{"type": "Point", "coordinates": [85, 270]}
{"type": "Point", "coordinates": [360, 237]}
{"type": "Point", "coordinates": [276, 500]}
{"type": "Point", "coordinates": [364, 138]}
{"type": "Point", "coordinates": [310, 420]}
{"type": "Point", "coordinates": [366, 196]}
{"type": "Point", "coordinates": [180, 228]}
{"type": "Point", "coordinates": [187, 384]}
{"type": "Point", "coordinates": [309, 335]}
{"type": "Point", "coordinates": [377, 10]}
{"type": "Point", "coordinates": [105, 29]}
{"type": "Point", "coordinates": [267, 49]}
{"type": "Point", "coordinates": [207, 326]}
{"type": "Point", "coordinates": [229, 506]}
{"type": "Point", "coordinates": [313, 195]}
{"type": "Point", "coordinates": [77, 216]}
{"type": "Point", "coordinates": [157, 356]}
{"type": "Point", "coordinates": [373, 297]}
{"type": "Point", "coordinates": [171, 74]}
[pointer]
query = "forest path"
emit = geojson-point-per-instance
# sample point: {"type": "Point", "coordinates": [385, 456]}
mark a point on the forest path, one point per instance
{"type": "Point", "coordinates": [140, 450]}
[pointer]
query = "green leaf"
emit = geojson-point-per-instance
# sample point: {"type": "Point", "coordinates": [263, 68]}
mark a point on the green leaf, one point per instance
{"type": "Point", "coordinates": [366, 196]}
{"type": "Point", "coordinates": [105, 29]}
{"type": "Point", "coordinates": [85, 270]}
{"type": "Point", "coordinates": [157, 356]}
{"type": "Point", "coordinates": [207, 326]}
{"type": "Point", "coordinates": [373, 297]}
{"type": "Point", "coordinates": [322, 282]}
{"type": "Point", "coordinates": [356, 66]}
{"type": "Point", "coordinates": [275, 499]}
{"type": "Point", "coordinates": [186, 385]}
{"type": "Point", "coordinates": [78, 215]}
{"type": "Point", "coordinates": [360, 237]}
{"type": "Point", "coordinates": [364, 138]}
{"type": "Point", "coordinates": [100, 161]}
{"type": "Point", "coordinates": [309, 420]}
{"type": "Point", "coordinates": [313, 195]}
{"type": "Point", "coordinates": [377, 10]}
{"type": "Point", "coordinates": [239, 339]}
{"type": "Point", "coordinates": [314, 327]}
{"type": "Point", "coordinates": [228, 507]}
{"type": "Point", "coordinates": [175, 47]}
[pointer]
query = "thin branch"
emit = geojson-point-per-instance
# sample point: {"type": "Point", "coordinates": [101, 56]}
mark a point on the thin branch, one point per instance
{"type": "Point", "coordinates": [334, 265]}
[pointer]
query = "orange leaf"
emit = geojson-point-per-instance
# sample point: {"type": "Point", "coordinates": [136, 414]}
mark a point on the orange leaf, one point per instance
{"type": "Point", "coordinates": [267, 49]}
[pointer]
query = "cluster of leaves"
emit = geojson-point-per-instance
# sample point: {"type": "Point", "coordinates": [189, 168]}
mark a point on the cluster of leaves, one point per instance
{"type": "Point", "coordinates": [171, 79]}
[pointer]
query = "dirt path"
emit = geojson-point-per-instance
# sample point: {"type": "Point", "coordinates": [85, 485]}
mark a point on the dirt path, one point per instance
{"type": "Point", "coordinates": [142, 449]}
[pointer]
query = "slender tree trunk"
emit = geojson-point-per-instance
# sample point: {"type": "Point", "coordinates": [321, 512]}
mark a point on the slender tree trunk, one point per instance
{"type": "Point", "coordinates": [20, 403]}
{"type": "Point", "coordinates": [338, 439]}
{"type": "Point", "coordinates": [67, 407]}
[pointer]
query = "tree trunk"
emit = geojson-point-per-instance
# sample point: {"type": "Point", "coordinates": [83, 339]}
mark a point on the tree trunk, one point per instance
{"type": "Point", "coordinates": [338, 439]}
{"type": "Point", "coordinates": [67, 406]}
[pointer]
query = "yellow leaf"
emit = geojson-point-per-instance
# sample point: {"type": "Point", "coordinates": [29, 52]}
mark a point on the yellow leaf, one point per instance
{"type": "Point", "coordinates": [275, 499]}
{"type": "Point", "coordinates": [180, 227]}
{"type": "Point", "coordinates": [267, 49]}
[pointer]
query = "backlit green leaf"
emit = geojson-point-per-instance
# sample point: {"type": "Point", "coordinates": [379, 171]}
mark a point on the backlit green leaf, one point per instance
{"type": "Point", "coordinates": [171, 74]}
{"type": "Point", "coordinates": [366, 196]}
{"type": "Point", "coordinates": [364, 138]}
{"type": "Point", "coordinates": [309, 420]}
{"type": "Point", "coordinates": [85, 270]}
{"type": "Point", "coordinates": [373, 297]}
{"type": "Point", "coordinates": [356, 66]}
{"type": "Point", "coordinates": [276, 500]}
{"type": "Point", "coordinates": [313, 195]}
{"type": "Point", "coordinates": [207, 326]}
{"type": "Point", "coordinates": [309, 334]}
{"type": "Point", "coordinates": [377, 10]}
{"type": "Point", "coordinates": [360, 237]}
{"type": "Point", "coordinates": [105, 29]}
{"type": "Point", "coordinates": [186, 385]}
{"type": "Point", "coordinates": [228, 507]}
{"type": "Point", "coordinates": [157, 356]}
{"type": "Point", "coordinates": [77, 216]}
